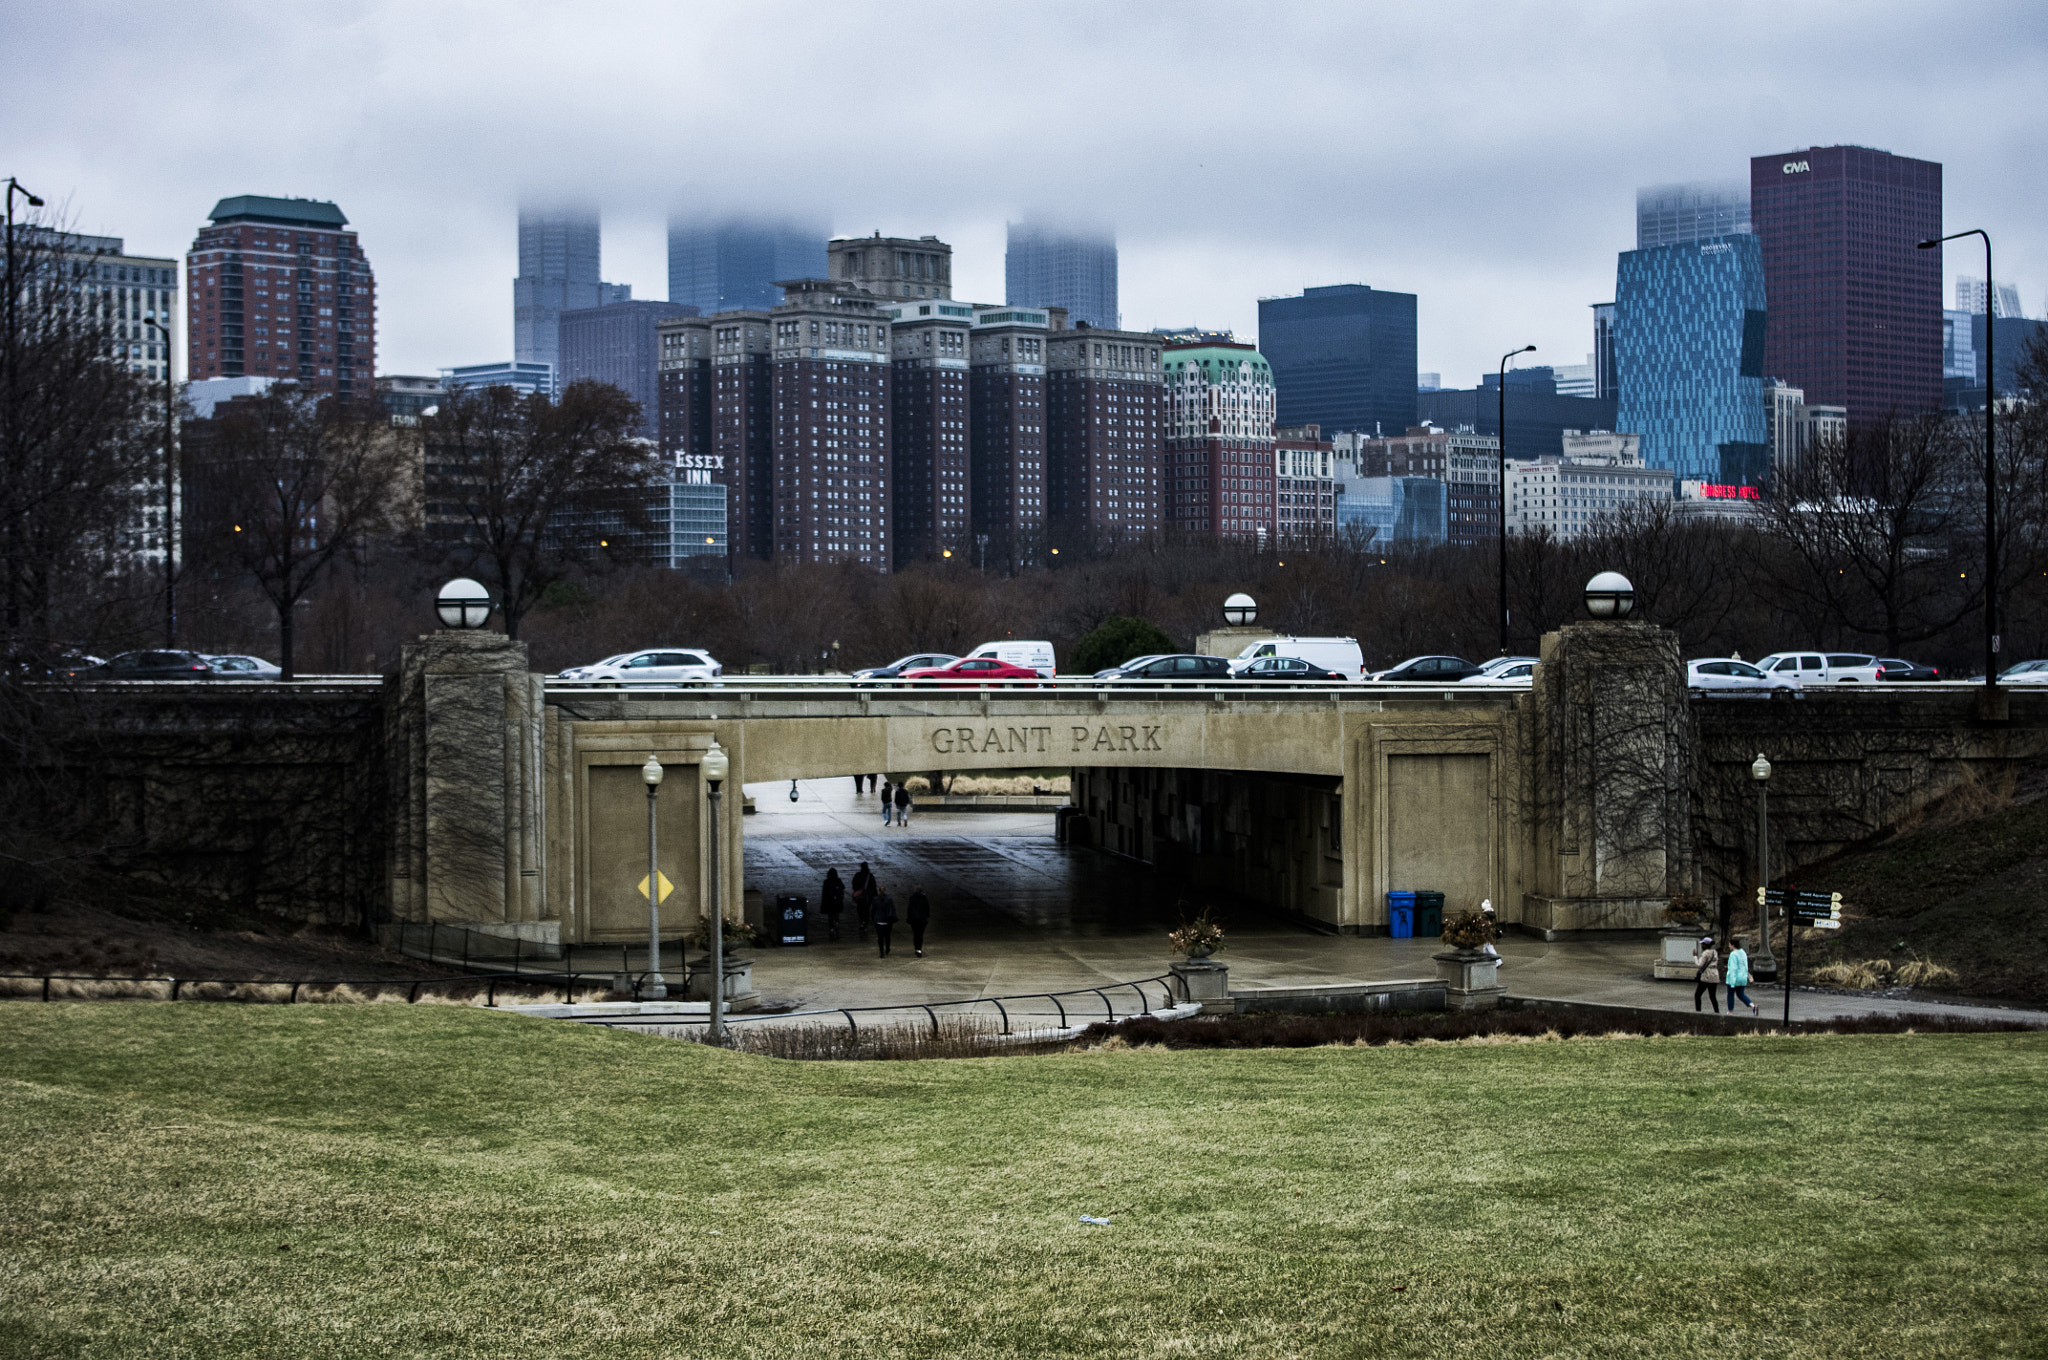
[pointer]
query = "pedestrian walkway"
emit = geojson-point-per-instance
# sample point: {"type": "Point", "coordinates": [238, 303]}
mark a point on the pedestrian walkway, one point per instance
{"type": "Point", "coordinates": [1014, 912]}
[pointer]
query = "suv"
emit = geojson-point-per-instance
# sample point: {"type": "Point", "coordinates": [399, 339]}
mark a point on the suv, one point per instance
{"type": "Point", "coordinates": [649, 667]}
{"type": "Point", "coordinates": [1797, 670]}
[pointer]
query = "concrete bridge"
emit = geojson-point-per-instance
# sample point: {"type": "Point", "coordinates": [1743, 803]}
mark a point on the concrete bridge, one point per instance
{"type": "Point", "coordinates": [1580, 805]}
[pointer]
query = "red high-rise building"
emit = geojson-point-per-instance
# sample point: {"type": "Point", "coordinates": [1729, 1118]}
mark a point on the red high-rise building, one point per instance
{"type": "Point", "coordinates": [280, 289]}
{"type": "Point", "coordinates": [1853, 307]}
{"type": "Point", "coordinates": [1105, 422]}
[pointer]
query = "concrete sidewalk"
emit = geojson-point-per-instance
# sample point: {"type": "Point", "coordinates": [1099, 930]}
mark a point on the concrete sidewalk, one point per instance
{"type": "Point", "coordinates": [1014, 912]}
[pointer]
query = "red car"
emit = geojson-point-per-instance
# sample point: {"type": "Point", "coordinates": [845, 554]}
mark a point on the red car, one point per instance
{"type": "Point", "coordinates": [972, 670]}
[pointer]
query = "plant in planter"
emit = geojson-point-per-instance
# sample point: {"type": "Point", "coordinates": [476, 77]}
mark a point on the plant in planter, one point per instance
{"type": "Point", "coordinates": [1686, 909]}
{"type": "Point", "coordinates": [738, 934]}
{"type": "Point", "coordinates": [1197, 939]}
{"type": "Point", "coordinates": [1467, 930]}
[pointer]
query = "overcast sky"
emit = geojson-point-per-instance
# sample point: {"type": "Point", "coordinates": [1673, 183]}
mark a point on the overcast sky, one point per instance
{"type": "Point", "coordinates": [1483, 156]}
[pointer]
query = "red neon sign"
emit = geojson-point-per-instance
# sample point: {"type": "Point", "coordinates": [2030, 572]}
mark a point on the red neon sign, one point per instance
{"type": "Point", "coordinates": [1729, 493]}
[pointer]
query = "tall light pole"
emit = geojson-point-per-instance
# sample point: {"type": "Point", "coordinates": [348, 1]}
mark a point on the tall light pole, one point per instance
{"type": "Point", "coordinates": [1766, 962]}
{"type": "Point", "coordinates": [1501, 487]}
{"type": "Point", "coordinates": [170, 493]}
{"type": "Point", "coordinates": [653, 987]}
{"type": "Point", "coordinates": [714, 767]}
{"type": "Point", "coordinates": [13, 410]}
{"type": "Point", "coordinates": [1990, 461]}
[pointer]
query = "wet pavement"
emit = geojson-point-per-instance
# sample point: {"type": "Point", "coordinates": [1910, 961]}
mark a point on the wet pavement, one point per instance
{"type": "Point", "coordinates": [1013, 912]}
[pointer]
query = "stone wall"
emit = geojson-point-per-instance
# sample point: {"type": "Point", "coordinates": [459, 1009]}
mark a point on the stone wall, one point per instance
{"type": "Point", "coordinates": [249, 798]}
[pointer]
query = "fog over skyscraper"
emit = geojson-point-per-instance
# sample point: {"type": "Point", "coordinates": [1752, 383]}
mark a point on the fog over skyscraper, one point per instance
{"type": "Point", "coordinates": [730, 263]}
{"type": "Point", "coordinates": [1048, 266]}
{"type": "Point", "coordinates": [559, 248]}
{"type": "Point", "coordinates": [1672, 214]}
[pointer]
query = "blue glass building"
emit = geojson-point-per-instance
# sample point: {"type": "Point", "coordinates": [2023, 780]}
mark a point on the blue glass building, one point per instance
{"type": "Point", "coordinates": [1343, 358]}
{"type": "Point", "coordinates": [1049, 267]}
{"type": "Point", "coordinates": [727, 264]}
{"type": "Point", "coordinates": [1688, 357]}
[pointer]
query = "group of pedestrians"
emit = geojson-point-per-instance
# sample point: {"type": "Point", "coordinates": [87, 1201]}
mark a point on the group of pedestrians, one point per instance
{"type": "Point", "coordinates": [897, 802]}
{"type": "Point", "coordinates": [1710, 968]}
{"type": "Point", "coordinates": [874, 908]}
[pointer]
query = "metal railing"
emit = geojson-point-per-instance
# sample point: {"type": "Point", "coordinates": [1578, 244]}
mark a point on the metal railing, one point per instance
{"type": "Point", "coordinates": [489, 982]}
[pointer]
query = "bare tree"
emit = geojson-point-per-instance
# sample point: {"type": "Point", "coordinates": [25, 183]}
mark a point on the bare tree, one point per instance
{"type": "Point", "coordinates": [1873, 530]}
{"type": "Point", "coordinates": [504, 472]}
{"type": "Point", "coordinates": [280, 487]}
{"type": "Point", "coordinates": [78, 435]}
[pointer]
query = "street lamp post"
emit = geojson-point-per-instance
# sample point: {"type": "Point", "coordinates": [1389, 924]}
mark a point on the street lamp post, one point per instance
{"type": "Point", "coordinates": [714, 767]}
{"type": "Point", "coordinates": [170, 492]}
{"type": "Point", "coordinates": [653, 987]}
{"type": "Point", "coordinates": [13, 340]}
{"type": "Point", "coordinates": [1990, 461]}
{"type": "Point", "coordinates": [1501, 490]}
{"type": "Point", "coordinates": [1766, 967]}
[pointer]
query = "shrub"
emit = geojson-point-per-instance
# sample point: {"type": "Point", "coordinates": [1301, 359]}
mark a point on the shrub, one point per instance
{"type": "Point", "coordinates": [1116, 640]}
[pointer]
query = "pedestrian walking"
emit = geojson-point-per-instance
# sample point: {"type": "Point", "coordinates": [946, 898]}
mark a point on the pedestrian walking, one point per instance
{"type": "Point", "coordinates": [857, 785]}
{"type": "Point", "coordinates": [871, 782]}
{"type": "Point", "coordinates": [1736, 974]}
{"type": "Point", "coordinates": [863, 897]}
{"type": "Point", "coordinates": [918, 912]}
{"type": "Point", "coordinates": [885, 917]}
{"type": "Point", "coordinates": [903, 805]}
{"type": "Point", "coordinates": [887, 806]}
{"type": "Point", "coordinates": [1706, 973]}
{"type": "Point", "coordinates": [832, 901]}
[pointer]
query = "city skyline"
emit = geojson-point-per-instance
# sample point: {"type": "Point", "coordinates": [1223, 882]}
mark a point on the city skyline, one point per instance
{"type": "Point", "coordinates": [1507, 233]}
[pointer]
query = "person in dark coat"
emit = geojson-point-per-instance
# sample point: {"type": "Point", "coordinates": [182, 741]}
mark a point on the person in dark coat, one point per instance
{"type": "Point", "coordinates": [886, 804]}
{"type": "Point", "coordinates": [863, 897]}
{"type": "Point", "coordinates": [903, 805]}
{"type": "Point", "coordinates": [884, 918]}
{"type": "Point", "coordinates": [857, 784]}
{"type": "Point", "coordinates": [919, 914]}
{"type": "Point", "coordinates": [832, 901]}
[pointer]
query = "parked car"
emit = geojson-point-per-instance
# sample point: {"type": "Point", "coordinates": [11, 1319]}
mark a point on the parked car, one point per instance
{"type": "Point", "coordinates": [972, 670]}
{"type": "Point", "coordinates": [234, 666]}
{"type": "Point", "coordinates": [1892, 668]}
{"type": "Point", "coordinates": [51, 663]}
{"type": "Point", "coordinates": [1428, 670]}
{"type": "Point", "coordinates": [648, 667]}
{"type": "Point", "coordinates": [1801, 669]}
{"type": "Point", "coordinates": [1331, 653]}
{"type": "Point", "coordinates": [1035, 656]}
{"type": "Point", "coordinates": [1727, 673]}
{"type": "Point", "coordinates": [2026, 673]}
{"type": "Point", "coordinates": [149, 665]}
{"type": "Point", "coordinates": [1172, 666]}
{"type": "Point", "coordinates": [1291, 670]}
{"type": "Point", "coordinates": [1512, 670]}
{"type": "Point", "coordinates": [916, 661]}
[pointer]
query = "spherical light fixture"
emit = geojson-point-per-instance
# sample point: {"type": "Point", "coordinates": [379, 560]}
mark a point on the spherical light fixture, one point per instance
{"type": "Point", "coordinates": [463, 603]}
{"type": "Point", "coordinates": [1240, 610]}
{"type": "Point", "coordinates": [1610, 596]}
{"type": "Point", "coordinates": [651, 772]}
{"type": "Point", "coordinates": [715, 765]}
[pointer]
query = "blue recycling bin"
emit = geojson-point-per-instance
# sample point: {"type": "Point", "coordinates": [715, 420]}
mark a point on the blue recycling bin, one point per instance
{"type": "Point", "coordinates": [1401, 915]}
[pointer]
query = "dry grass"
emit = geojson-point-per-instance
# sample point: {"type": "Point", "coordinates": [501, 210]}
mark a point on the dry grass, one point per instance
{"type": "Point", "coordinates": [1877, 974]}
{"type": "Point", "coordinates": [1004, 784]}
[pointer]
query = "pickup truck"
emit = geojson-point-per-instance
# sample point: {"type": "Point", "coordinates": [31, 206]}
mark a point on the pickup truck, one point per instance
{"type": "Point", "coordinates": [1798, 670]}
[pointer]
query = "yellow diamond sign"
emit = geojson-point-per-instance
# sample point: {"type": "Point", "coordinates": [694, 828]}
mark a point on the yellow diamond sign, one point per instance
{"type": "Point", "coordinates": [666, 886]}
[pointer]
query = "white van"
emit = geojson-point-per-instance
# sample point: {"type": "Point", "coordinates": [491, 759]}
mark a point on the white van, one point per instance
{"type": "Point", "coordinates": [1036, 655]}
{"type": "Point", "coordinates": [1331, 653]}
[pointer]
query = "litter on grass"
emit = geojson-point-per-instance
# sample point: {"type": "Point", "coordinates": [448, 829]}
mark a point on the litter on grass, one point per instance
{"type": "Point", "coordinates": [1098, 1222]}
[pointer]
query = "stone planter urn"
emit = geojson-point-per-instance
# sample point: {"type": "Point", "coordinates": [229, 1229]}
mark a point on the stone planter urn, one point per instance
{"type": "Point", "coordinates": [1674, 951]}
{"type": "Point", "coordinates": [739, 981]}
{"type": "Point", "coordinates": [1471, 979]}
{"type": "Point", "coordinates": [1205, 983]}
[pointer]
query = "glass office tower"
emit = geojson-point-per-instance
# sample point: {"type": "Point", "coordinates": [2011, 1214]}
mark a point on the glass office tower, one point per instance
{"type": "Point", "coordinates": [732, 263]}
{"type": "Point", "coordinates": [1688, 354]}
{"type": "Point", "coordinates": [1047, 267]}
{"type": "Point", "coordinates": [1343, 357]}
{"type": "Point", "coordinates": [1672, 214]}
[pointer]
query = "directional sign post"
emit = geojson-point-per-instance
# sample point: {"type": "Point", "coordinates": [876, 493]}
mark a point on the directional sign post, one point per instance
{"type": "Point", "coordinates": [1819, 910]}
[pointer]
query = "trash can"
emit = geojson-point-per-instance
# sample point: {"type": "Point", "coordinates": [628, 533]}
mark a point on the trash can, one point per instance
{"type": "Point", "coordinates": [789, 923]}
{"type": "Point", "coordinates": [1429, 915]}
{"type": "Point", "coordinates": [1401, 915]}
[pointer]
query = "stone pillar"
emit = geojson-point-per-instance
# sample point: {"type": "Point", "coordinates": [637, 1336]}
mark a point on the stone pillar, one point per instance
{"type": "Point", "coordinates": [465, 741]}
{"type": "Point", "coordinates": [1471, 979]}
{"type": "Point", "coordinates": [1206, 983]}
{"type": "Point", "coordinates": [1609, 797]}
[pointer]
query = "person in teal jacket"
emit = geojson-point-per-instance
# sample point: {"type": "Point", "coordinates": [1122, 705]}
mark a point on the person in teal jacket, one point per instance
{"type": "Point", "coordinates": [1736, 972]}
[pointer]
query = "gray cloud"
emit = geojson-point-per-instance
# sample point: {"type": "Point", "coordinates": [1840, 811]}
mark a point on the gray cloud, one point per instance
{"type": "Point", "coordinates": [1484, 156]}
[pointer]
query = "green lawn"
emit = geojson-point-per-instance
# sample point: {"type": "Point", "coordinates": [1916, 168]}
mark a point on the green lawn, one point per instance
{"type": "Point", "coordinates": [389, 1181]}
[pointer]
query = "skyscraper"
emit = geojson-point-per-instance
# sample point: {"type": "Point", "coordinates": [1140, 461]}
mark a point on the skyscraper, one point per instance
{"type": "Point", "coordinates": [1672, 214]}
{"type": "Point", "coordinates": [831, 430]}
{"type": "Point", "coordinates": [1603, 351]}
{"type": "Point", "coordinates": [929, 463]}
{"type": "Point", "coordinates": [280, 289]}
{"type": "Point", "coordinates": [1971, 296]}
{"type": "Point", "coordinates": [559, 248]}
{"type": "Point", "coordinates": [1689, 338]}
{"type": "Point", "coordinates": [1855, 308]}
{"type": "Point", "coordinates": [108, 284]}
{"type": "Point", "coordinates": [1048, 267]}
{"type": "Point", "coordinates": [1105, 413]}
{"type": "Point", "coordinates": [1343, 357]}
{"type": "Point", "coordinates": [618, 344]}
{"type": "Point", "coordinates": [892, 266]}
{"type": "Point", "coordinates": [1219, 440]}
{"type": "Point", "coordinates": [1006, 413]}
{"type": "Point", "coordinates": [724, 264]}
